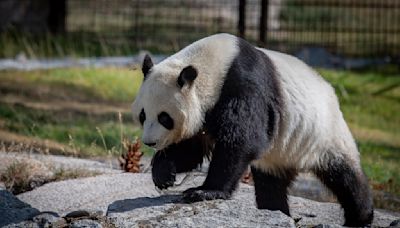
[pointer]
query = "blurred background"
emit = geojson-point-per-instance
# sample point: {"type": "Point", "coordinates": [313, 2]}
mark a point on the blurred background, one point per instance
{"type": "Point", "coordinates": [69, 71]}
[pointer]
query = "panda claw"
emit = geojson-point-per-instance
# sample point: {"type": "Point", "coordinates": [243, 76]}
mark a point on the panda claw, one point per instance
{"type": "Point", "coordinates": [195, 195]}
{"type": "Point", "coordinates": [190, 190]}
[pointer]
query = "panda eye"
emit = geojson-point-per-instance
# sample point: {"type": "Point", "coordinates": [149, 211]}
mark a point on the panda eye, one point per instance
{"type": "Point", "coordinates": [165, 120]}
{"type": "Point", "coordinates": [142, 116]}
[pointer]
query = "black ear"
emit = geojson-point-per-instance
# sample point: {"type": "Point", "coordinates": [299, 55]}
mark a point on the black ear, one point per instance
{"type": "Point", "coordinates": [147, 65]}
{"type": "Point", "coordinates": [187, 76]}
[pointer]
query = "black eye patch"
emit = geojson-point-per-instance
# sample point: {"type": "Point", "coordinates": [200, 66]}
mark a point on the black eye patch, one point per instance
{"type": "Point", "coordinates": [165, 120]}
{"type": "Point", "coordinates": [142, 116]}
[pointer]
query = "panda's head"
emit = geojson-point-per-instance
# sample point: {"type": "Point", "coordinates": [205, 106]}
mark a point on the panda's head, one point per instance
{"type": "Point", "coordinates": [166, 106]}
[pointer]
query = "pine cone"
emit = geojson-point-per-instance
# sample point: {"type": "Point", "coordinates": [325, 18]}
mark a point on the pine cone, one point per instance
{"type": "Point", "coordinates": [130, 161]}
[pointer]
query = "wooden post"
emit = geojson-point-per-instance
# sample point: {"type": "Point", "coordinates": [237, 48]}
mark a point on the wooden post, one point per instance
{"type": "Point", "coordinates": [263, 25]}
{"type": "Point", "coordinates": [242, 18]}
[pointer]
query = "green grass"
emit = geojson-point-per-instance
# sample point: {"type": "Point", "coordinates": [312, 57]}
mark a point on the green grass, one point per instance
{"type": "Point", "coordinates": [73, 44]}
{"type": "Point", "coordinates": [107, 84]}
{"type": "Point", "coordinates": [81, 129]}
{"type": "Point", "coordinates": [371, 110]}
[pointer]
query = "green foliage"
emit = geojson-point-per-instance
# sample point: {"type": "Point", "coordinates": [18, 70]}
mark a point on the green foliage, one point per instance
{"type": "Point", "coordinates": [72, 45]}
{"type": "Point", "coordinates": [107, 84]}
{"type": "Point", "coordinates": [59, 116]}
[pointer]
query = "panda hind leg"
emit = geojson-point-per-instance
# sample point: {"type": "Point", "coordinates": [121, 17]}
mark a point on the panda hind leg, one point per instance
{"type": "Point", "coordinates": [271, 189]}
{"type": "Point", "coordinates": [351, 188]}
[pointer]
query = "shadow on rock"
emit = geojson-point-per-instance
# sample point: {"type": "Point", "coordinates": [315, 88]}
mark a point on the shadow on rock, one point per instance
{"type": "Point", "coordinates": [141, 202]}
{"type": "Point", "coordinates": [13, 210]}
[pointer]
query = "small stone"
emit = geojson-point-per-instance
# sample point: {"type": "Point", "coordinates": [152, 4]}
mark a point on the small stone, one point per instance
{"type": "Point", "coordinates": [77, 214]}
{"type": "Point", "coordinates": [297, 219]}
{"type": "Point", "coordinates": [47, 219]}
{"type": "Point", "coordinates": [395, 223]}
{"type": "Point", "coordinates": [85, 223]}
{"type": "Point", "coordinates": [24, 224]}
{"type": "Point", "coordinates": [326, 226]}
{"type": "Point", "coordinates": [308, 215]}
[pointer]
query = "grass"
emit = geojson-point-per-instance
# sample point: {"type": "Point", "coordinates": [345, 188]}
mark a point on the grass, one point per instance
{"type": "Point", "coordinates": [73, 44]}
{"type": "Point", "coordinates": [76, 107]}
{"type": "Point", "coordinates": [22, 176]}
{"type": "Point", "coordinates": [69, 105]}
{"type": "Point", "coordinates": [105, 84]}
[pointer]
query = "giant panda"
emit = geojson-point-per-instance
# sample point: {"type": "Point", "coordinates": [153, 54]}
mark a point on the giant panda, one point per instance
{"type": "Point", "coordinates": [246, 106]}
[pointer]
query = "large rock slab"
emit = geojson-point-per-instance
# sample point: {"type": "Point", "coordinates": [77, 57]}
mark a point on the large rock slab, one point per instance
{"type": "Point", "coordinates": [169, 211]}
{"type": "Point", "coordinates": [130, 200]}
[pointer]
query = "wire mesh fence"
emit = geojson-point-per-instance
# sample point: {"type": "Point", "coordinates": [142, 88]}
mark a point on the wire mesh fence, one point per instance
{"type": "Point", "coordinates": [348, 27]}
{"type": "Point", "coordinates": [356, 28]}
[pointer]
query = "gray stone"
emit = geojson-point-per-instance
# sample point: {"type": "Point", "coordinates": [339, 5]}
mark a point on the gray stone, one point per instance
{"type": "Point", "coordinates": [95, 193]}
{"type": "Point", "coordinates": [395, 223]}
{"type": "Point", "coordinates": [24, 224]}
{"type": "Point", "coordinates": [77, 214]}
{"type": "Point", "coordinates": [308, 186]}
{"type": "Point", "coordinates": [166, 211]}
{"type": "Point", "coordinates": [130, 200]}
{"type": "Point", "coordinates": [327, 226]}
{"type": "Point", "coordinates": [12, 210]}
{"type": "Point", "coordinates": [48, 219]}
{"type": "Point", "coordinates": [85, 223]}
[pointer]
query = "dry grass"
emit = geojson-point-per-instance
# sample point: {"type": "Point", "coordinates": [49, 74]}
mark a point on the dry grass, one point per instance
{"type": "Point", "coordinates": [27, 174]}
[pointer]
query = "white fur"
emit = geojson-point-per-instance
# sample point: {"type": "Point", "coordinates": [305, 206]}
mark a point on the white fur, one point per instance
{"type": "Point", "coordinates": [212, 57]}
{"type": "Point", "coordinates": [312, 129]}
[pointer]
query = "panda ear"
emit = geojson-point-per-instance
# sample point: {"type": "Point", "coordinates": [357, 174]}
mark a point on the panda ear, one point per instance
{"type": "Point", "coordinates": [187, 76]}
{"type": "Point", "coordinates": [147, 65]}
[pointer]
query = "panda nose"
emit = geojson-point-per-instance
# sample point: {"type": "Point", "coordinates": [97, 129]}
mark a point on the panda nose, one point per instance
{"type": "Point", "coordinates": [149, 144]}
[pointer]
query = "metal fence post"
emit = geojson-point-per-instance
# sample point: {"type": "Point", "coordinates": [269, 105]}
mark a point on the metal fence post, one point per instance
{"type": "Point", "coordinates": [242, 18]}
{"type": "Point", "coordinates": [263, 25]}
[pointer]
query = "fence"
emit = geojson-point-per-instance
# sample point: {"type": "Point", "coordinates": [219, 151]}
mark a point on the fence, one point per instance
{"type": "Point", "coordinates": [356, 28]}
{"type": "Point", "coordinates": [362, 28]}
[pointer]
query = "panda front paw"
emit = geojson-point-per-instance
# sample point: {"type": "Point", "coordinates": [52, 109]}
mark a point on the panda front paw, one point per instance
{"type": "Point", "coordinates": [163, 171]}
{"type": "Point", "coordinates": [197, 194]}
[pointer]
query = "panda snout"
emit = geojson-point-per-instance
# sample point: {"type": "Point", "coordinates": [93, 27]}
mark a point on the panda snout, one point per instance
{"type": "Point", "coordinates": [151, 144]}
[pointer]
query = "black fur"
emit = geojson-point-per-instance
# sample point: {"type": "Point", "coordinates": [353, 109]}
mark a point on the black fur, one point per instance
{"type": "Point", "coordinates": [271, 190]}
{"type": "Point", "coordinates": [142, 116]}
{"type": "Point", "coordinates": [242, 122]}
{"type": "Point", "coordinates": [147, 65]}
{"type": "Point", "coordinates": [165, 120]}
{"type": "Point", "coordinates": [187, 76]}
{"type": "Point", "coordinates": [351, 189]}
{"type": "Point", "coordinates": [177, 158]}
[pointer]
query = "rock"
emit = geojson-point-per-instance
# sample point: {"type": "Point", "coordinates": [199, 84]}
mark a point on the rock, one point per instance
{"type": "Point", "coordinates": [327, 226]}
{"type": "Point", "coordinates": [395, 223]}
{"type": "Point", "coordinates": [94, 193]}
{"type": "Point", "coordinates": [308, 186]}
{"type": "Point", "coordinates": [24, 224]}
{"type": "Point", "coordinates": [129, 199]}
{"type": "Point", "coordinates": [77, 214]}
{"type": "Point", "coordinates": [166, 211]}
{"type": "Point", "coordinates": [48, 219]}
{"type": "Point", "coordinates": [85, 223]}
{"type": "Point", "coordinates": [12, 210]}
